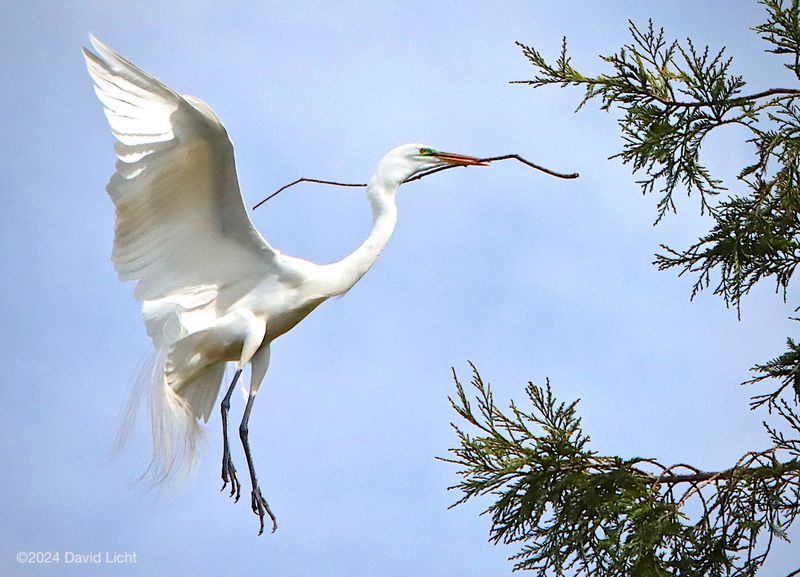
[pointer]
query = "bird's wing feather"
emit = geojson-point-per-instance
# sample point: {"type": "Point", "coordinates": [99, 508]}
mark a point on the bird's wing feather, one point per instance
{"type": "Point", "coordinates": [180, 218]}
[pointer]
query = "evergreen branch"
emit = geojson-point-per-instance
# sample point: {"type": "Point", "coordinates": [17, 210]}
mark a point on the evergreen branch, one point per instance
{"type": "Point", "coordinates": [786, 370]}
{"type": "Point", "coordinates": [672, 96]}
{"type": "Point", "coordinates": [579, 513]}
{"type": "Point", "coordinates": [782, 30]}
{"type": "Point", "coordinates": [576, 511]}
{"type": "Point", "coordinates": [739, 100]}
{"type": "Point", "coordinates": [726, 475]}
{"type": "Point", "coordinates": [663, 134]}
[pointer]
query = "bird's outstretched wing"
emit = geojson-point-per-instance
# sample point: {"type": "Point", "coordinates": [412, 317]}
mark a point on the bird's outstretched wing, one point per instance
{"type": "Point", "coordinates": [180, 218]}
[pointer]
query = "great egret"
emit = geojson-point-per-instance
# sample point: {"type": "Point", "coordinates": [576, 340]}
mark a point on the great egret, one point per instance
{"type": "Point", "coordinates": [212, 289]}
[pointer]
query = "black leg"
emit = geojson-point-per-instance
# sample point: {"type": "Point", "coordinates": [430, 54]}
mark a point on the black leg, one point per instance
{"type": "Point", "coordinates": [228, 470]}
{"type": "Point", "coordinates": [257, 501]}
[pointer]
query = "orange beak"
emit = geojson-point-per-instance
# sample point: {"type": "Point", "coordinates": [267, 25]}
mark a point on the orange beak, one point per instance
{"type": "Point", "coordinates": [460, 159]}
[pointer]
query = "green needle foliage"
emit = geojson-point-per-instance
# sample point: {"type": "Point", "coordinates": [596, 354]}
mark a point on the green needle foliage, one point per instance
{"type": "Point", "coordinates": [574, 512]}
{"type": "Point", "coordinates": [671, 96]}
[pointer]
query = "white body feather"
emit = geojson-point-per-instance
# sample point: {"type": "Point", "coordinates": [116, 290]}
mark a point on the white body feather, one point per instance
{"type": "Point", "coordinates": [212, 289]}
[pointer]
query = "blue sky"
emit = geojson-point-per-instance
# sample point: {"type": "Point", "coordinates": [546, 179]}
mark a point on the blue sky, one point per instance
{"type": "Point", "coordinates": [527, 276]}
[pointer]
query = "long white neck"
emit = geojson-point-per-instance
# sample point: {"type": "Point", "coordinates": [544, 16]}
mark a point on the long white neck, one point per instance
{"type": "Point", "coordinates": [343, 275]}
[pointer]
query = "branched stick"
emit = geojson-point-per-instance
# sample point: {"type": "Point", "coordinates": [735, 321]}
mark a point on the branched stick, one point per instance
{"type": "Point", "coordinates": [424, 174]}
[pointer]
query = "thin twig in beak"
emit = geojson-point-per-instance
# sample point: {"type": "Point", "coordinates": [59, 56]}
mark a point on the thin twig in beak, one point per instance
{"type": "Point", "coordinates": [445, 156]}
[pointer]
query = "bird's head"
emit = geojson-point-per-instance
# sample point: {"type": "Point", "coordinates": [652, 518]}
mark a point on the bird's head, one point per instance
{"type": "Point", "coordinates": [408, 160]}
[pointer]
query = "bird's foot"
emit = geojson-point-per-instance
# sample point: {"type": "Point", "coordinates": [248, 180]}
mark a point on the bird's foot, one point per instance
{"type": "Point", "coordinates": [261, 507]}
{"type": "Point", "coordinates": [229, 475]}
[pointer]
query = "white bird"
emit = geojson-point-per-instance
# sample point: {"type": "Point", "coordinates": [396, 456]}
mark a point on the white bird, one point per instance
{"type": "Point", "coordinates": [212, 289]}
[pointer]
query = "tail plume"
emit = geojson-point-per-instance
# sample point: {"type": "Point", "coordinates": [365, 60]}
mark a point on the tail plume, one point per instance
{"type": "Point", "coordinates": [181, 387]}
{"type": "Point", "coordinates": [176, 434]}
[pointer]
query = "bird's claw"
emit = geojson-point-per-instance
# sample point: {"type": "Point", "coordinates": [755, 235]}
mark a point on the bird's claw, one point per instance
{"type": "Point", "coordinates": [260, 507]}
{"type": "Point", "coordinates": [229, 475]}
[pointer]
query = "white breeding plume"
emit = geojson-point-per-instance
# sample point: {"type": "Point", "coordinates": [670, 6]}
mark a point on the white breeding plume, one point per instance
{"type": "Point", "coordinates": [212, 289]}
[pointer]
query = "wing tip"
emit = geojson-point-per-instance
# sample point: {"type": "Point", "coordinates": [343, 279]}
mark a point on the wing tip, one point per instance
{"type": "Point", "coordinates": [95, 43]}
{"type": "Point", "coordinates": [102, 48]}
{"type": "Point", "coordinates": [100, 59]}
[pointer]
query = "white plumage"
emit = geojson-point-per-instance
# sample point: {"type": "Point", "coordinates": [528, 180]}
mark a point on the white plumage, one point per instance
{"type": "Point", "coordinates": [212, 289]}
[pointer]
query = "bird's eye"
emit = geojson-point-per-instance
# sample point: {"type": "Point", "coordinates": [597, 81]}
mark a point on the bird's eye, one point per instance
{"type": "Point", "coordinates": [426, 151]}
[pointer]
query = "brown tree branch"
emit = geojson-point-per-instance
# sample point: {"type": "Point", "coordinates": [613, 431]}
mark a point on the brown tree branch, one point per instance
{"type": "Point", "coordinates": [424, 174]}
{"type": "Point", "coordinates": [783, 92]}
{"type": "Point", "coordinates": [787, 92]}
{"type": "Point", "coordinates": [697, 476]}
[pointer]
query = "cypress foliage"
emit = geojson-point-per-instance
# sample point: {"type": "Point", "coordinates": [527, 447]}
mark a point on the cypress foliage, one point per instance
{"type": "Point", "coordinates": [574, 512]}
